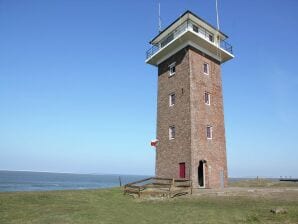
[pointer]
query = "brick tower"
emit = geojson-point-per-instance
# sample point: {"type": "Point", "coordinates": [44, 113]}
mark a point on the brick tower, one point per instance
{"type": "Point", "coordinates": [190, 118]}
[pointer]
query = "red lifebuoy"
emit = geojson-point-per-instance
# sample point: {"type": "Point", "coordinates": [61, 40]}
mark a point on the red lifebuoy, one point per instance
{"type": "Point", "coordinates": [154, 142]}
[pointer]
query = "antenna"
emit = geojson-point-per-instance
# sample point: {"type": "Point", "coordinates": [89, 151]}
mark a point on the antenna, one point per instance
{"type": "Point", "coordinates": [217, 17]}
{"type": "Point", "coordinates": [218, 38]}
{"type": "Point", "coordinates": [159, 19]}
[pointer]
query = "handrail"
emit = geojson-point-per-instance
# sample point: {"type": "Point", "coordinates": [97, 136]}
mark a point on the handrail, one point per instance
{"type": "Point", "coordinates": [226, 46]}
{"type": "Point", "coordinates": [161, 178]}
{"type": "Point", "coordinates": [139, 181]}
{"type": "Point", "coordinates": [203, 33]}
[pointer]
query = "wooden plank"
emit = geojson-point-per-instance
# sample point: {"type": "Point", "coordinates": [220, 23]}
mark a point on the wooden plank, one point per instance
{"type": "Point", "coordinates": [139, 181]}
{"type": "Point", "coordinates": [182, 186]}
{"type": "Point", "coordinates": [181, 180]}
{"type": "Point", "coordinates": [161, 184]}
{"type": "Point", "coordinates": [155, 188]}
{"type": "Point", "coordinates": [132, 186]}
{"type": "Point", "coordinates": [160, 178]}
{"type": "Point", "coordinates": [132, 191]}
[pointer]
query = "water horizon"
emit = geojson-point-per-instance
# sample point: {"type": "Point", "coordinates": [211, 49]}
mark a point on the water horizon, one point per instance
{"type": "Point", "coordinates": [13, 181]}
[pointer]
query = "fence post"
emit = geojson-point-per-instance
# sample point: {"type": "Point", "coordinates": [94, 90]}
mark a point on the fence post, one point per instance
{"type": "Point", "coordinates": [120, 183]}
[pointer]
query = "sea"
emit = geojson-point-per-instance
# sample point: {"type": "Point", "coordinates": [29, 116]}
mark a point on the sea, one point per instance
{"type": "Point", "coordinates": [11, 181]}
{"type": "Point", "coordinates": [43, 181]}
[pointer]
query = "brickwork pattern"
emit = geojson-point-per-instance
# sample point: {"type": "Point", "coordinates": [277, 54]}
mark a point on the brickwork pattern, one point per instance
{"type": "Point", "coordinates": [172, 152]}
{"type": "Point", "coordinates": [212, 150]}
{"type": "Point", "coordinates": [191, 115]}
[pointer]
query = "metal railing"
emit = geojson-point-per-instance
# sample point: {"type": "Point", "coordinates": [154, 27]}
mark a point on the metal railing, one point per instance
{"type": "Point", "coordinates": [152, 50]}
{"type": "Point", "coordinates": [187, 25]}
{"type": "Point", "coordinates": [226, 46]}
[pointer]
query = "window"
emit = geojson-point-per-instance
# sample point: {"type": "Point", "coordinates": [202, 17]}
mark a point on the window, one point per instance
{"type": "Point", "coordinates": [172, 68]}
{"type": "Point", "coordinates": [206, 68]}
{"type": "Point", "coordinates": [207, 98]}
{"type": "Point", "coordinates": [210, 37]}
{"type": "Point", "coordinates": [167, 40]}
{"type": "Point", "coordinates": [172, 132]}
{"type": "Point", "coordinates": [195, 28]}
{"type": "Point", "coordinates": [209, 132]}
{"type": "Point", "coordinates": [172, 99]}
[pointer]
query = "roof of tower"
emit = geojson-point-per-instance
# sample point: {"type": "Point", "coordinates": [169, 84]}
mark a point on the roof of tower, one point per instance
{"type": "Point", "coordinates": [186, 15]}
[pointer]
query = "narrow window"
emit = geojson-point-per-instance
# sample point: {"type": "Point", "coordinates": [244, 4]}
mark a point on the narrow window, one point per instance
{"type": "Point", "coordinates": [210, 37]}
{"type": "Point", "coordinates": [209, 132]}
{"type": "Point", "coordinates": [195, 28]}
{"type": "Point", "coordinates": [206, 68]}
{"type": "Point", "coordinates": [172, 99]}
{"type": "Point", "coordinates": [172, 132]}
{"type": "Point", "coordinates": [172, 69]}
{"type": "Point", "coordinates": [207, 98]}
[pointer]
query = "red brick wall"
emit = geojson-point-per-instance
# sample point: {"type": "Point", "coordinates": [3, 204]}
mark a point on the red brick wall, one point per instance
{"type": "Point", "coordinates": [212, 150]}
{"type": "Point", "coordinates": [172, 152]}
{"type": "Point", "coordinates": [190, 116]}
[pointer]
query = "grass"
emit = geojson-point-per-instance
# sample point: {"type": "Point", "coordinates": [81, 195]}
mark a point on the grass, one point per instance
{"type": "Point", "coordinates": [111, 206]}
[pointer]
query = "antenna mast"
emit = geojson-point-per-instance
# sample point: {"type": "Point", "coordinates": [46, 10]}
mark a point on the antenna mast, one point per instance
{"type": "Point", "coordinates": [159, 19]}
{"type": "Point", "coordinates": [217, 17]}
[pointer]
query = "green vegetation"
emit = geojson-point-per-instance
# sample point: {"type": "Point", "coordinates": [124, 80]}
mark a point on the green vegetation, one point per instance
{"type": "Point", "coordinates": [111, 206]}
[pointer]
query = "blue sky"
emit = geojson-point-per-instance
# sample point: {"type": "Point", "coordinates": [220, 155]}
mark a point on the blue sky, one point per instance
{"type": "Point", "coordinates": [76, 95]}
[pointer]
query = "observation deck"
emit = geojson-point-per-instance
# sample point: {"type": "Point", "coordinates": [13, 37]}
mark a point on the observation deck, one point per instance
{"type": "Point", "coordinates": [189, 30]}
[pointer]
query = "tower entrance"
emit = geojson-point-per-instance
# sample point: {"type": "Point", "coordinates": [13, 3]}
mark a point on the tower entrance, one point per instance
{"type": "Point", "coordinates": [201, 174]}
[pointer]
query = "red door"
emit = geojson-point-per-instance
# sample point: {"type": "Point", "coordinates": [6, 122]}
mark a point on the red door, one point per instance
{"type": "Point", "coordinates": [182, 170]}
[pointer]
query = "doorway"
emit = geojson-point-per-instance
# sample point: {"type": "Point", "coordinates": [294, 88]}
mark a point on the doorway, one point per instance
{"type": "Point", "coordinates": [182, 170]}
{"type": "Point", "coordinates": [201, 174]}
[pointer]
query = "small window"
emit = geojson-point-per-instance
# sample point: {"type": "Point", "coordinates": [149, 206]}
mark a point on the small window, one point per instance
{"type": "Point", "coordinates": [195, 28]}
{"type": "Point", "coordinates": [172, 69]}
{"type": "Point", "coordinates": [210, 37]}
{"type": "Point", "coordinates": [172, 132]}
{"type": "Point", "coordinates": [207, 98]}
{"type": "Point", "coordinates": [209, 132]}
{"type": "Point", "coordinates": [172, 99]}
{"type": "Point", "coordinates": [206, 68]}
{"type": "Point", "coordinates": [167, 40]}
